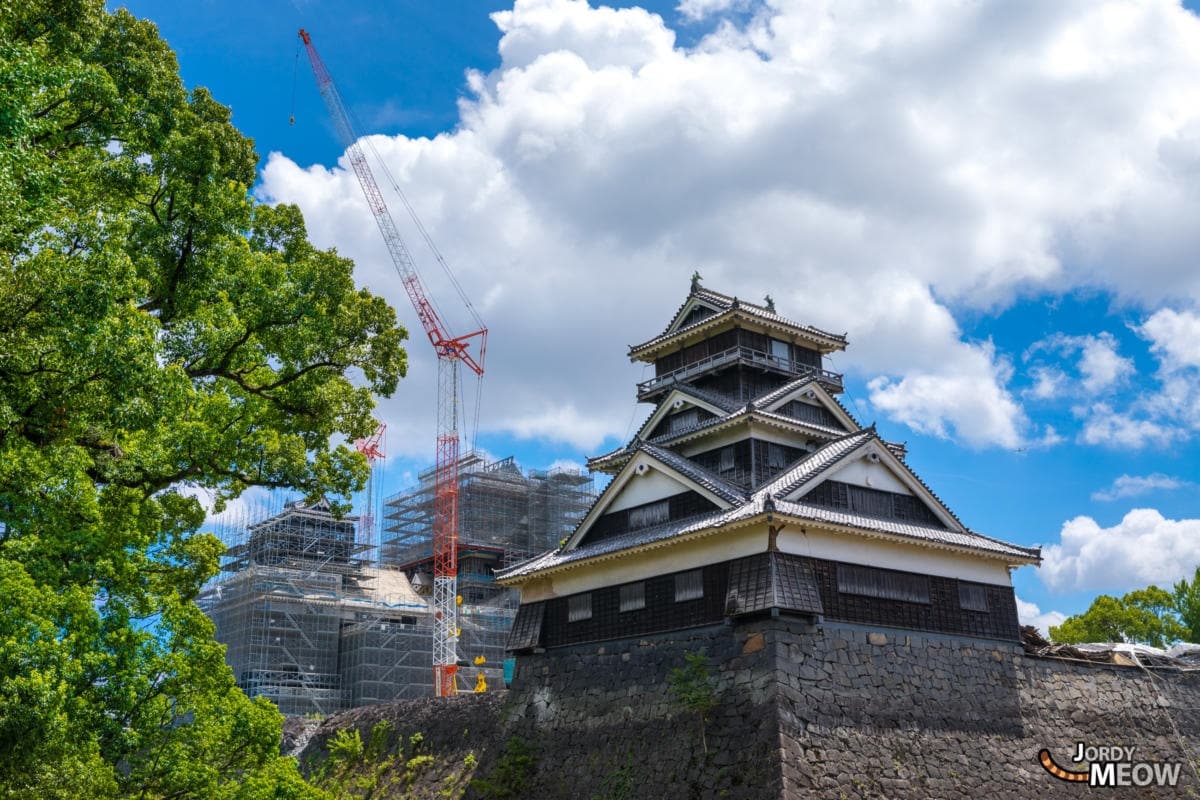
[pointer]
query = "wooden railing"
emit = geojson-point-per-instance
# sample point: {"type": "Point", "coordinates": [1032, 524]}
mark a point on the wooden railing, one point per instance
{"type": "Point", "coordinates": [736, 355]}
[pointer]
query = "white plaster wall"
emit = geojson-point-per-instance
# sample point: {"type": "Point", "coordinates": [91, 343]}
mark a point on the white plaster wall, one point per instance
{"type": "Point", "coordinates": [862, 472]}
{"type": "Point", "coordinates": [654, 485]}
{"type": "Point", "coordinates": [639, 566]}
{"type": "Point", "coordinates": [891, 555]}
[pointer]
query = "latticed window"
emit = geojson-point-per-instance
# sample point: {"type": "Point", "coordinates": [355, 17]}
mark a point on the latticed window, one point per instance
{"type": "Point", "coordinates": [633, 596]}
{"type": "Point", "coordinates": [652, 514]}
{"type": "Point", "coordinates": [726, 459]}
{"type": "Point", "coordinates": [972, 597]}
{"type": "Point", "coordinates": [579, 607]}
{"type": "Point", "coordinates": [776, 456]}
{"type": "Point", "coordinates": [689, 585]}
{"type": "Point", "coordinates": [883, 584]}
{"type": "Point", "coordinates": [684, 419]}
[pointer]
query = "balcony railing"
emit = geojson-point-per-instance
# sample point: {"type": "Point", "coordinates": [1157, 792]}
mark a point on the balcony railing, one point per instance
{"type": "Point", "coordinates": [736, 355]}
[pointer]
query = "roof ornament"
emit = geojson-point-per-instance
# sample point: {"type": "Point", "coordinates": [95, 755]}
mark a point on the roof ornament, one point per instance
{"type": "Point", "coordinates": [769, 302]}
{"type": "Point", "coordinates": [736, 303]}
{"type": "Point", "coordinates": [696, 280]}
{"type": "Point", "coordinates": [769, 504]}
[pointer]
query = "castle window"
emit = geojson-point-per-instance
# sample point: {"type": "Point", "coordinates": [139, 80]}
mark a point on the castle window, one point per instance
{"type": "Point", "coordinates": [652, 514]}
{"type": "Point", "coordinates": [633, 596]}
{"type": "Point", "coordinates": [682, 420]}
{"type": "Point", "coordinates": [689, 585]}
{"type": "Point", "coordinates": [726, 459]}
{"type": "Point", "coordinates": [579, 607]}
{"type": "Point", "coordinates": [884, 584]}
{"type": "Point", "coordinates": [776, 456]}
{"type": "Point", "coordinates": [972, 597]}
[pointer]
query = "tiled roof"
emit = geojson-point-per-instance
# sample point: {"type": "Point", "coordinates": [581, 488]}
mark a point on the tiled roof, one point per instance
{"type": "Point", "coordinates": [625, 541]}
{"type": "Point", "coordinates": [970, 539]}
{"type": "Point", "coordinates": [769, 397]}
{"type": "Point", "coordinates": [756, 506]}
{"type": "Point", "coordinates": [815, 463]}
{"type": "Point", "coordinates": [708, 480]}
{"type": "Point", "coordinates": [725, 303]}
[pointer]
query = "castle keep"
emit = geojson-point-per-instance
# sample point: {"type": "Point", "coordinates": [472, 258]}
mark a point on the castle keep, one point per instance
{"type": "Point", "coordinates": [751, 490]}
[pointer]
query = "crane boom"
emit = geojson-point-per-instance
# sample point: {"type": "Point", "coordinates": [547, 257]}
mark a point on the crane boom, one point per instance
{"type": "Point", "coordinates": [451, 351]}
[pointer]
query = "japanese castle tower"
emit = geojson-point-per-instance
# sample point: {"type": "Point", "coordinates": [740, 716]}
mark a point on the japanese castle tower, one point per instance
{"type": "Point", "coordinates": [752, 491]}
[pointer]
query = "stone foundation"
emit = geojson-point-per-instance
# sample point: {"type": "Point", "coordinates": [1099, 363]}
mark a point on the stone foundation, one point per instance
{"type": "Point", "coordinates": [840, 711]}
{"type": "Point", "coordinates": [827, 711]}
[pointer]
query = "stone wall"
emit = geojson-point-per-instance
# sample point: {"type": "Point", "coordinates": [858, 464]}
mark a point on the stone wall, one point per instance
{"type": "Point", "coordinates": [828, 711]}
{"type": "Point", "coordinates": [877, 713]}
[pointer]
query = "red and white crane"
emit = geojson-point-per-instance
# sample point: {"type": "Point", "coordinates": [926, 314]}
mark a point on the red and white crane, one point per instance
{"type": "Point", "coordinates": [373, 448]}
{"type": "Point", "coordinates": [452, 351]}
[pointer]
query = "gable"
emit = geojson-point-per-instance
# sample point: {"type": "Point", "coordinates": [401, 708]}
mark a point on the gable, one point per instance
{"type": "Point", "coordinates": [645, 479]}
{"type": "Point", "coordinates": [872, 482]}
{"type": "Point", "coordinates": [809, 402]}
{"type": "Point", "coordinates": [692, 312]}
{"type": "Point", "coordinates": [672, 508]}
{"type": "Point", "coordinates": [646, 488]}
{"type": "Point", "coordinates": [666, 416]}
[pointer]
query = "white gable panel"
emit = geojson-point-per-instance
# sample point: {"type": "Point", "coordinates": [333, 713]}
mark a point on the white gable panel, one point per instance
{"type": "Point", "coordinates": [646, 488]}
{"type": "Point", "coordinates": [862, 472]}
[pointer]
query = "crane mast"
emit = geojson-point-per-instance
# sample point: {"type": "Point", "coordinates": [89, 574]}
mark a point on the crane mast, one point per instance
{"type": "Point", "coordinates": [451, 351]}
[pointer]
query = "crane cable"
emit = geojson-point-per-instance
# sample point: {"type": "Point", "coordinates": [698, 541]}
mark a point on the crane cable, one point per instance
{"type": "Point", "coordinates": [295, 73]}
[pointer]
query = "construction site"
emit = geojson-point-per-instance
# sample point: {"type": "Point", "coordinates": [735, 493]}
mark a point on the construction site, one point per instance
{"type": "Point", "coordinates": [505, 515]}
{"type": "Point", "coordinates": [319, 619]}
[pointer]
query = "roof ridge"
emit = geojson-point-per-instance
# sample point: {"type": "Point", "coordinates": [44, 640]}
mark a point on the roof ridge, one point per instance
{"type": "Point", "coordinates": [733, 494]}
{"type": "Point", "coordinates": [788, 481]}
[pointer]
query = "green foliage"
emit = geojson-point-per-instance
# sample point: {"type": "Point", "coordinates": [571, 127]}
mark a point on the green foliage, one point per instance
{"type": "Point", "coordinates": [1147, 616]}
{"type": "Point", "coordinates": [1186, 599]}
{"type": "Point", "coordinates": [346, 747]}
{"type": "Point", "coordinates": [694, 685]}
{"type": "Point", "coordinates": [619, 784]}
{"type": "Point", "coordinates": [381, 739]}
{"type": "Point", "coordinates": [509, 778]}
{"type": "Point", "coordinates": [159, 331]}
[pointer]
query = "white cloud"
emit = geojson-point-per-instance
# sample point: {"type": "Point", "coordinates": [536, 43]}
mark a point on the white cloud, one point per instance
{"type": "Point", "coordinates": [1104, 426]}
{"type": "Point", "coordinates": [699, 9]}
{"type": "Point", "coordinates": [1174, 337]}
{"type": "Point", "coordinates": [1134, 485]}
{"type": "Point", "coordinates": [1141, 549]}
{"type": "Point", "coordinates": [1049, 383]}
{"type": "Point", "coordinates": [1029, 614]}
{"type": "Point", "coordinates": [964, 398]}
{"type": "Point", "coordinates": [869, 164]}
{"type": "Point", "coordinates": [1101, 368]}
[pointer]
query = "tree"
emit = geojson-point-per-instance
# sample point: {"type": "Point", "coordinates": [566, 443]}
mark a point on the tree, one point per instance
{"type": "Point", "coordinates": [1145, 616]}
{"type": "Point", "coordinates": [160, 334]}
{"type": "Point", "coordinates": [693, 685]}
{"type": "Point", "coordinates": [1186, 597]}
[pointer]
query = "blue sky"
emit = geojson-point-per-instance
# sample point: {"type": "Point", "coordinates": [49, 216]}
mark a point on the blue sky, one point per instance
{"type": "Point", "coordinates": [997, 204]}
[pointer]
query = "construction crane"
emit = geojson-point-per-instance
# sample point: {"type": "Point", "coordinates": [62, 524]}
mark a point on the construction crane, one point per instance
{"type": "Point", "coordinates": [372, 448]}
{"type": "Point", "coordinates": [452, 351]}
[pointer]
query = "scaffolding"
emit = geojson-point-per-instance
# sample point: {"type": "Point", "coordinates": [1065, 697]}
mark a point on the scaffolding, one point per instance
{"type": "Point", "coordinates": [505, 516]}
{"type": "Point", "coordinates": [308, 622]}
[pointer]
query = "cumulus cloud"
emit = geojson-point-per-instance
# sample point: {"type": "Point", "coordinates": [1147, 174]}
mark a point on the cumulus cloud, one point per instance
{"type": "Point", "coordinates": [871, 165]}
{"type": "Point", "coordinates": [699, 9]}
{"type": "Point", "coordinates": [1174, 337]}
{"type": "Point", "coordinates": [1110, 428]}
{"type": "Point", "coordinates": [1141, 549]}
{"type": "Point", "coordinates": [1101, 368]}
{"type": "Point", "coordinates": [1029, 614]}
{"type": "Point", "coordinates": [1134, 485]}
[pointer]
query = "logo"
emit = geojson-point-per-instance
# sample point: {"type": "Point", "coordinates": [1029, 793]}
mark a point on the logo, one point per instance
{"type": "Point", "coordinates": [1112, 766]}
